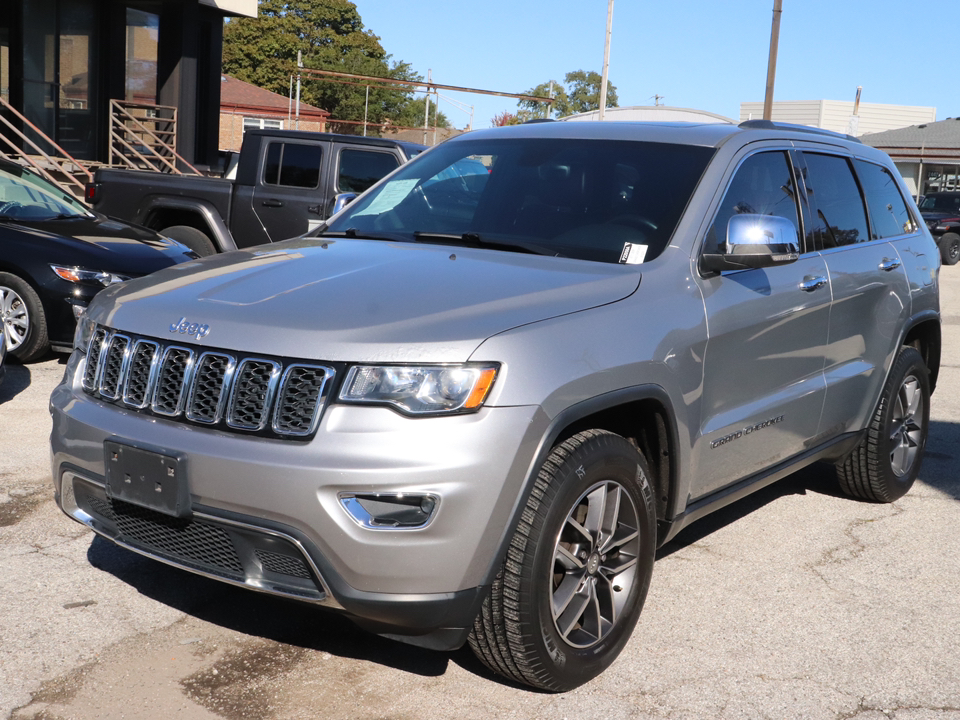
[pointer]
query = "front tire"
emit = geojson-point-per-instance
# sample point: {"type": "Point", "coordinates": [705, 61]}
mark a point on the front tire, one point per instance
{"type": "Point", "coordinates": [22, 314]}
{"type": "Point", "coordinates": [885, 464]}
{"type": "Point", "coordinates": [949, 248]}
{"type": "Point", "coordinates": [194, 239]}
{"type": "Point", "coordinates": [577, 570]}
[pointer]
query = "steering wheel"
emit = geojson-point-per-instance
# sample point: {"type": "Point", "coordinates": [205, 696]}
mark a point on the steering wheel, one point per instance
{"type": "Point", "coordinates": [6, 207]}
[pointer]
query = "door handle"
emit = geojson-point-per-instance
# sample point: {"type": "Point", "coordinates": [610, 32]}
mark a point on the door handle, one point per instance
{"type": "Point", "coordinates": [887, 264]}
{"type": "Point", "coordinates": [272, 203]}
{"type": "Point", "coordinates": [813, 282]}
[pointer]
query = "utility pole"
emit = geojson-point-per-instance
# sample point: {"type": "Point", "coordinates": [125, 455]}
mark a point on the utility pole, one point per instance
{"type": "Point", "coordinates": [772, 62]}
{"type": "Point", "coordinates": [606, 60]}
{"type": "Point", "coordinates": [299, 65]}
{"type": "Point", "coordinates": [426, 106]}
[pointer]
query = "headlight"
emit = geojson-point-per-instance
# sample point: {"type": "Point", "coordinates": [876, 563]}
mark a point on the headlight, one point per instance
{"type": "Point", "coordinates": [420, 389]}
{"type": "Point", "coordinates": [79, 275]}
{"type": "Point", "coordinates": [83, 333]}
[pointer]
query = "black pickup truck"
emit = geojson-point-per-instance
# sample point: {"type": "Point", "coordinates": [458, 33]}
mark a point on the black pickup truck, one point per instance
{"type": "Point", "coordinates": [287, 182]}
{"type": "Point", "coordinates": [941, 213]}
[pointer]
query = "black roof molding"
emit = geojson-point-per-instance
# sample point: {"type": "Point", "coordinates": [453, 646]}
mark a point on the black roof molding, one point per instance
{"type": "Point", "coordinates": [769, 125]}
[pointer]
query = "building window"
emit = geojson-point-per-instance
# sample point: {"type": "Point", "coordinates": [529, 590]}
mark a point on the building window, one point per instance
{"type": "Point", "coordinates": [142, 51]}
{"type": "Point", "coordinates": [261, 124]}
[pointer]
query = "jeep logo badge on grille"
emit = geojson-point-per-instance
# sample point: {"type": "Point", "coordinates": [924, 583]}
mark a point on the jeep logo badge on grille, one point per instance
{"type": "Point", "coordinates": [185, 327]}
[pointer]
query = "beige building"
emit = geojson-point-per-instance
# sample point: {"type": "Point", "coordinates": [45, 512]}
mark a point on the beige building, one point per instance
{"type": "Point", "coordinates": [837, 115]}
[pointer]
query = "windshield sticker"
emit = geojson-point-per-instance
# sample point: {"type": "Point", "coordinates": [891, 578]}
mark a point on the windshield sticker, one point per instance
{"type": "Point", "coordinates": [633, 254]}
{"type": "Point", "coordinates": [388, 198]}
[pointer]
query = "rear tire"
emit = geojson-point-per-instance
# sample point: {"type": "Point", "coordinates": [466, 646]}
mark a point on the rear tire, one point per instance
{"type": "Point", "coordinates": [949, 248]}
{"type": "Point", "coordinates": [194, 239]}
{"type": "Point", "coordinates": [577, 570]}
{"type": "Point", "coordinates": [22, 314]}
{"type": "Point", "coordinates": [887, 461]}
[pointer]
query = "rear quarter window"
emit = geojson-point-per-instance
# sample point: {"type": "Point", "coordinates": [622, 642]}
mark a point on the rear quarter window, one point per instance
{"type": "Point", "coordinates": [888, 210]}
{"type": "Point", "coordinates": [839, 214]}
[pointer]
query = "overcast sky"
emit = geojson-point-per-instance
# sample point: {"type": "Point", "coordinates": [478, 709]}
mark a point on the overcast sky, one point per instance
{"type": "Point", "coordinates": [704, 54]}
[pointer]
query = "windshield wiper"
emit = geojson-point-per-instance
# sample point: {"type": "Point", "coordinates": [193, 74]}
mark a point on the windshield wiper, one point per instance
{"type": "Point", "coordinates": [353, 233]}
{"type": "Point", "coordinates": [472, 239]}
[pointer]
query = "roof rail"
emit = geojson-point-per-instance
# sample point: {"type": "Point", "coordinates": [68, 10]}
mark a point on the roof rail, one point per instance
{"type": "Point", "coordinates": [769, 125]}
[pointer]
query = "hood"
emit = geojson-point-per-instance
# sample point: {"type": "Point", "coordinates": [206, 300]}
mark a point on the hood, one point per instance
{"type": "Point", "coordinates": [930, 215]}
{"type": "Point", "coordinates": [359, 300]}
{"type": "Point", "coordinates": [101, 243]}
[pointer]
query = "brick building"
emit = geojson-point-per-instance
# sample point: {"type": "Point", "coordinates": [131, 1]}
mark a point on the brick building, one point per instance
{"type": "Point", "coordinates": [244, 106]}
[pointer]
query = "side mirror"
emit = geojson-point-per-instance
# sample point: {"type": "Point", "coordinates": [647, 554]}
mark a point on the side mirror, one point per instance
{"type": "Point", "coordinates": [754, 241]}
{"type": "Point", "coordinates": [341, 200]}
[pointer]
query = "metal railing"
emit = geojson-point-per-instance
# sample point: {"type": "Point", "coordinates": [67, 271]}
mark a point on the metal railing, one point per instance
{"type": "Point", "coordinates": [73, 175]}
{"type": "Point", "coordinates": [144, 136]}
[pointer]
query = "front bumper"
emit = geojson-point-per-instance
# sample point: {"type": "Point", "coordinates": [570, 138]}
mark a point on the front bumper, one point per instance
{"type": "Point", "coordinates": [267, 513]}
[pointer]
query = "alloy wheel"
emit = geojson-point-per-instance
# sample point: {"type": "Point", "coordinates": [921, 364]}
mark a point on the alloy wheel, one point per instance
{"type": "Point", "coordinates": [906, 432]}
{"type": "Point", "coordinates": [594, 564]}
{"type": "Point", "coordinates": [14, 315]}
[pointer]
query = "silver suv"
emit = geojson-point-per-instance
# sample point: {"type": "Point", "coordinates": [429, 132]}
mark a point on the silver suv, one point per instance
{"type": "Point", "coordinates": [469, 408]}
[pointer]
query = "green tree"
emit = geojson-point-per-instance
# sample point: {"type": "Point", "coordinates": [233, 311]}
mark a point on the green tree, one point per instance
{"type": "Point", "coordinates": [535, 109]}
{"type": "Point", "coordinates": [579, 93]}
{"type": "Point", "coordinates": [330, 36]}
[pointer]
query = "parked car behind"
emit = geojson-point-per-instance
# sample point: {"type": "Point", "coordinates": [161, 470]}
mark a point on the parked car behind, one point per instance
{"type": "Point", "coordinates": [55, 255]}
{"type": "Point", "coordinates": [941, 213]}
{"type": "Point", "coordinates": [287, 182]}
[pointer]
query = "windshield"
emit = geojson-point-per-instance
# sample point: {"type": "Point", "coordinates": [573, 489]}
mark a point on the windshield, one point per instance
{"type": "Point", "coordinates": [590, 199]}
{"type": "Point", "coordinates": [25, 196]}
{"type": "Point", "coordinates": [945, 203]}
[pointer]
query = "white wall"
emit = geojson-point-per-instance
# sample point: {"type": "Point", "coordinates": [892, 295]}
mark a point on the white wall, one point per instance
{"type": "Point", "coordinates": [247, 8]}
{"type": "Point", "coordinates": [836, 115]}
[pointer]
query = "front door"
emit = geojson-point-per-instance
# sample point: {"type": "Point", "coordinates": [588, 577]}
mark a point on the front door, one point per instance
{"type": "Point", "coordinates": [763, 386]}
{"type": "Point", "coordinates": [289, 192]}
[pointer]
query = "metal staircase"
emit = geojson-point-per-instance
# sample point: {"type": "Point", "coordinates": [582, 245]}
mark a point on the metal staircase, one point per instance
{"type": "Point", "coordinates": [144, 137]}
{"type": "Point", "coordinates": [58, 166]}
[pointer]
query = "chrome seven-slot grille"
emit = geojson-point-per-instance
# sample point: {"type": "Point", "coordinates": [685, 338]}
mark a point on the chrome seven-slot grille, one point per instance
{"type": "Point", "coordinates": [208, 387]}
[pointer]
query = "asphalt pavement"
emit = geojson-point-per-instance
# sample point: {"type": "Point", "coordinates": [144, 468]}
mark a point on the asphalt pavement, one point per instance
{"type": "Point", "coordinates": [794, 603]}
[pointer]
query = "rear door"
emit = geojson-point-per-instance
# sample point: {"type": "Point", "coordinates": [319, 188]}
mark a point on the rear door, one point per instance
{"type": "Point", "coordinates": [870, 288]}
{"type": "Point", "coordinates": [763, 384]}
{"type": "Point", "coordinates": [289, 193]}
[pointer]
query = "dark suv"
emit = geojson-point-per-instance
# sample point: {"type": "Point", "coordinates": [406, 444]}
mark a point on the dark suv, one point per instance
{"type": "Point", "coordinates": [941, 213]}
{"type": "Point", "coordinates": [470, 411]}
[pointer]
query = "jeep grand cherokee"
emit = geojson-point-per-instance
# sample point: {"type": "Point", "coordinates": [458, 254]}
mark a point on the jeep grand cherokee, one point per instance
{"type": "Point", "coordinates": [471, 411]}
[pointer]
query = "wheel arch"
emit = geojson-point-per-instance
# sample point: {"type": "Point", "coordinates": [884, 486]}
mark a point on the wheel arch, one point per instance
{"type": "Point", "coordinates": [924, 335]}
{"type": "Point", "coordinates": [161, 212]}
{"type": "Point", "coordinates": [644, 415]}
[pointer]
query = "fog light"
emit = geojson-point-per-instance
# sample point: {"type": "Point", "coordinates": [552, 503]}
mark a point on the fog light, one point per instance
{"type": "Point", "coordinates": [390, 511]}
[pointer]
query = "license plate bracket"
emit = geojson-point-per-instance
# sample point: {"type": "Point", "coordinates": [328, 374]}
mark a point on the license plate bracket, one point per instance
{"type": "Point", "coordinates": [147, 477]}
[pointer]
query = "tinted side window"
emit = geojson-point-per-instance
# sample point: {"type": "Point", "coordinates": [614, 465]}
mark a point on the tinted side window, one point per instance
{"type": "Point", "coordinates": [763, 185]}
{"type": "Point", "coordinates": [888, 211]}
{"type": "Point", "coordinates": [840, 217]}
{"type": "Point", "coordinates": [293, 165]}
{"type": "Point", "coordinates": [359, 169]}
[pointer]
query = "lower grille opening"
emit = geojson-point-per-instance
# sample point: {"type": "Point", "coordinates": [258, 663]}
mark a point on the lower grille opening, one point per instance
{"type": "Point", "coordinates": [239, 554]}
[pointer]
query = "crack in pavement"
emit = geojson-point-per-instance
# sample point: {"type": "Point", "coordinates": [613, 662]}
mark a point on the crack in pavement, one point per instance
{"type": "Point", "coordinates": [852, 550]}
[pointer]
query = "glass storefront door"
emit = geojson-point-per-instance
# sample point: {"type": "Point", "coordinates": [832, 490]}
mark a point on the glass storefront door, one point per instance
{"type": "Point", "coordinates": [59, 61]}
